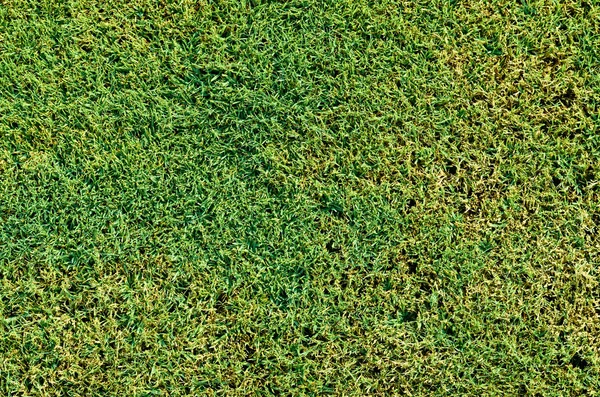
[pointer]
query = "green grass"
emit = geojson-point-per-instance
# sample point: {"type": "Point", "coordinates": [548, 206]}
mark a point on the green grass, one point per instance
{"type": "Point", "coordinates": [350, 197]}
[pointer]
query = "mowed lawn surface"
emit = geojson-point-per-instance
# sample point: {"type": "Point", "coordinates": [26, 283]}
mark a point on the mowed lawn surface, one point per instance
{"type": "Point", "coordinates": [299, 198]}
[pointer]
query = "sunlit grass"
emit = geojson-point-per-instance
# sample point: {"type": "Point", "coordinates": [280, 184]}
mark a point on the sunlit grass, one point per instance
{"type": "Point", "coordinates": [299, 197]}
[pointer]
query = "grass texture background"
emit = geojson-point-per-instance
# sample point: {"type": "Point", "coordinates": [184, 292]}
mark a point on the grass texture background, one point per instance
{"type": "Point", "coordinates": [299, 197]}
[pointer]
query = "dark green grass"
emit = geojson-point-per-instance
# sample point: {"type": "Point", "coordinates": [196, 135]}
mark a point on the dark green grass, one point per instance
{"type": "Point", "coordinates": [299, 197]}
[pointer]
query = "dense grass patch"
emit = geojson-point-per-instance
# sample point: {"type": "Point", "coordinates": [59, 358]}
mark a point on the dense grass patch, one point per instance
{"type": "Point", "coordinates": [299, 197]}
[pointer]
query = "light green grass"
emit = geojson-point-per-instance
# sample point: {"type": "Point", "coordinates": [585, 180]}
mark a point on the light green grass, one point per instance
{"type": "Point", "coordinates": [299, 198]}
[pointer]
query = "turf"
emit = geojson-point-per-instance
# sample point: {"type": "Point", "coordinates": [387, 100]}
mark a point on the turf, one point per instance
{"type": "Point", "coordinates": [299, 197]}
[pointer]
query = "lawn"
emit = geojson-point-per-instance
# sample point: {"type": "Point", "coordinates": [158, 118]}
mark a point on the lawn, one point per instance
{"type": "Point", "coordinates": [303, 197]}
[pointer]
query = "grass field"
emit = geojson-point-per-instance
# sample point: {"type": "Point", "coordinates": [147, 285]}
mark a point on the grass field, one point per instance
{"type": "Point", "coordinates": [303, 197]}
